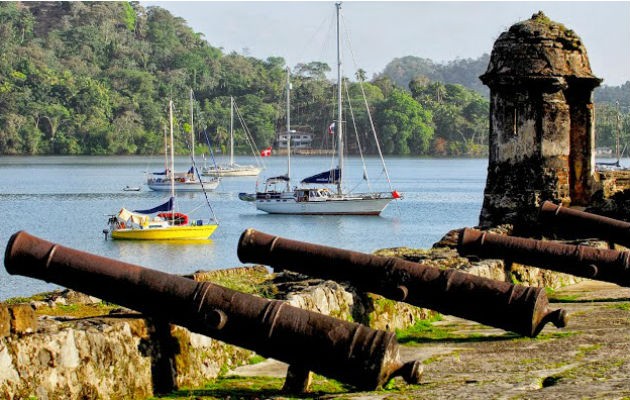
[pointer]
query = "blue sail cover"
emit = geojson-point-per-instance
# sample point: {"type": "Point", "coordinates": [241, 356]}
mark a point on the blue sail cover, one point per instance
{"type": "Point", "coordinates": [279, 178]}
{"type": "Point", "coordinates": [328, 177]}
{"type": "Point", "coordinates": [168, 206]}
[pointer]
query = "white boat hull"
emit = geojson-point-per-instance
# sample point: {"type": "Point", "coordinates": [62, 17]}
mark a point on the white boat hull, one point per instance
{"type": "Point", "coordinates": [183, 186]}
{"type": "Point", "coordinates": [342, 206]}
{"type": "Point", "coordinates": [236, 171]}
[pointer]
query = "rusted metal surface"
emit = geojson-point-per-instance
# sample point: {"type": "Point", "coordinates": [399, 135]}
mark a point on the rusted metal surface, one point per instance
{"type": "Point", "coordinates": [524, 310]}
{"type": "Point", "coordinates": [589, 262]}
{"type": "Point", "coordinates": [583, 224]}
{"type": "Point", "coordinates": [349, 352]}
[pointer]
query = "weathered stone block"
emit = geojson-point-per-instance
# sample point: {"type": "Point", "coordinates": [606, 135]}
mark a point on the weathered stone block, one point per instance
{"type": "Point", "coordinates": [5, 321]}
{"type": "Point", "coordinates": [23, 318]}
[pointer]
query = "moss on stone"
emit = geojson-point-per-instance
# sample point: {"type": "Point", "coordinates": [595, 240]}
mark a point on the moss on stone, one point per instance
{"type": "Point", "coordinates": [621, 306]}
{"type": "Point", "coordinates": [423, 329]}
{"type": "Point", "coordinates": [256, 359]}
{"type": "Point", "coordinates": [251, 280]}
{"type": "Point", "coordinates": [541, 18]}
{"type": "Point", "coordinates": [438, 257]}
{"type": "Point", "coordinates": [37, 297]}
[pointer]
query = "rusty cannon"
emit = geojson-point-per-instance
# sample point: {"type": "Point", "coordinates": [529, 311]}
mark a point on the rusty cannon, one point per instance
{"type": "Point", "coordinates": [588, 262]}
{"type": "Point", "coordinates": [520, 309]}
{"type": "Point", "coordinates": [308, 341]}
{"type": "Point", "coordinates": [585, 224]}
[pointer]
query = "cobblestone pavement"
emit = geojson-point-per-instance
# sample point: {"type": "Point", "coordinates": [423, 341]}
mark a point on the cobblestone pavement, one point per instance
{"type": "Point", "coordinates": [590, 358]}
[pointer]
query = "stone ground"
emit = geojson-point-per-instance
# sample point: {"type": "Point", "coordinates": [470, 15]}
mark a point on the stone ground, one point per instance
{"type": "Point", "coordinates": [590, 358]}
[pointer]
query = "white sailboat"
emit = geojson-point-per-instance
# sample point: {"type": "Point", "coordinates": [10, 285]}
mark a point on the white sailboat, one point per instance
{"type": "Point", "coordinates": [279, 198]}
{"type": "Point", "coordinates": [183, 181]}
{"type": "Point", "coordinates": [231, 168]}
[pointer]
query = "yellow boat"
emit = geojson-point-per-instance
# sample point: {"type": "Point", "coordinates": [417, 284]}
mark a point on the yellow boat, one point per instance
{"type": "Point", "coordinates": [166, 225]}
{"type": "Point", "coordinates": [191, 232]}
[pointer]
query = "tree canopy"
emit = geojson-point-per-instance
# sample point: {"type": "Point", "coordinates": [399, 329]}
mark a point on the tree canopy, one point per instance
{"type": "Point", "coordinates": [95, 78]}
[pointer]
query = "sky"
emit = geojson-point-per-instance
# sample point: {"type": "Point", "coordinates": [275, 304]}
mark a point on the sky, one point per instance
{"type": "Point", "coordinates": [379, 31]}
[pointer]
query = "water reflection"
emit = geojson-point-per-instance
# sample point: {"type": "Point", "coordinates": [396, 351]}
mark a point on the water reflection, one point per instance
{"type": "Point", "coordinates": [164, 255]}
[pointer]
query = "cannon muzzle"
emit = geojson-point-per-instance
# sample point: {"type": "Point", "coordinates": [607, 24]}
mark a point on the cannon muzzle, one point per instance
{"type": "Point", "coordinates": [584, 224]}
{"type": "Point", "coordinates": [520, 309]}
{"type": "Point", "coordinates": [308, 341]}
{"type": "Point", "coordinates": [588, 262]}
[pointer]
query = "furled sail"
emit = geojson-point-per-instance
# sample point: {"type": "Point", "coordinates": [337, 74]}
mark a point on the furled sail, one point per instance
{"type": "Point", "coordinates": [327, 177]}
{"type": "Point", "coordinates": [282, 178]}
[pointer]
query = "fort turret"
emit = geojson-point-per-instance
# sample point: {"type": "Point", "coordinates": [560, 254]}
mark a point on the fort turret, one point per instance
{"type": "Point", "coordinates": [541, 139]}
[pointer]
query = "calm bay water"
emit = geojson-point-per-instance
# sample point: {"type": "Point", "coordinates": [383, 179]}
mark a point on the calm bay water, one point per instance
{"type": "Point", "coordinates": [67, 199]}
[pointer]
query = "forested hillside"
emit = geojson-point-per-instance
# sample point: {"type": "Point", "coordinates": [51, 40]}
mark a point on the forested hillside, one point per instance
{"type": "Point", "coordinates": [465, 72]}
{"type": "Point", "coordinates": [95, 78]}
{"type": "Point", "coordinates": [610, 101]}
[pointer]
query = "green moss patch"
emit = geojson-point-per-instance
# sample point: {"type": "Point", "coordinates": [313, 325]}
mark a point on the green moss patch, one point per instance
{"type": "Point", "coordinates": [425, 331]}
{"type": "Point", "coordinates": [621, 306]}
{"type": "Point", "coordinates": [77, 310]}
{"type": "Point", "coordinates": [251, 280]}
{"type": "Point", "coordinates": [236, 387]}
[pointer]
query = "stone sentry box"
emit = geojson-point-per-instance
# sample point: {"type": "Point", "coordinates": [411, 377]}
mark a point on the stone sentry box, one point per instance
{"type": "Point", "coordinates": [541, 122]}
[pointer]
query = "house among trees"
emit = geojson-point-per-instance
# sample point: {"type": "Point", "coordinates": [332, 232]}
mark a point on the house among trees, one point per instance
{"type": "Point", "coordinates": [299, 140]}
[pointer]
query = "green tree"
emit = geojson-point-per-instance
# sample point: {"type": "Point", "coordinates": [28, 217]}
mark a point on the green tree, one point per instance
{"type": "Point", "coordinates": [460, 116]}
{"type": "Point", "coordinates": [361, 121]}
{"type": "Point", "coordinates": [315, 69]}
{"type": "Point", "coordinates": [404, 126]}
{"type": "Point", "coordinates": [260, 118]}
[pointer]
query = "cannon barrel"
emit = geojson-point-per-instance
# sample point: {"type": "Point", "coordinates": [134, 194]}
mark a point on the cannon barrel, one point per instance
{"type": "Point", "coordinates": [589, 262]}
{"type": "Point", "coordinates": [308, 341]}
{"type": "Point", "coordinates": [515, 308]}
{"type": "Point", "coordinates": [584, 223]}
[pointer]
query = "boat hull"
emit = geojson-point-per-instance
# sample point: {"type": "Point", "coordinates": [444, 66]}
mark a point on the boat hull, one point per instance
{"type": "Point", "coordinates": [244, 171]}
{"type": "Point", "coordinates": [348, 206]}
{"type": "Point", "coordinates": [183, 186]}
{"type": "Point", "coordinates": [188, 232]}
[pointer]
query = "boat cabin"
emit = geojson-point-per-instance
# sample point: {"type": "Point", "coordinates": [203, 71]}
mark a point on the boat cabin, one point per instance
{"type": "Point", "coordinates": [317, 194]}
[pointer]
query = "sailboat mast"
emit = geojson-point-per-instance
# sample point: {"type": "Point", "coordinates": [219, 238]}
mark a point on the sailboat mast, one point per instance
{"type": "Point", "coordinates": [231, 130]}
{"type": "Point", "coordinates": [288, 128]}
{"type": "Point", "coordinates": [172, 173]}
{"type": "Point", "coordinates": [339, 124]}
{"type": "Point", "coordinates": [192, 126]}
{"type": "Point", "coordinates": [618, 133]}
{"type": "Point", "coordinates": [166, 169]}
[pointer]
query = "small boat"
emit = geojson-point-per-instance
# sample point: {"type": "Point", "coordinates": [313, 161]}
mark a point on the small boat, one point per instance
{"type": "Point", "coordinates": [160, 222]}
{"type": "Point", "coordinates": [231, 168]}
{"type": "Point", "coordinates": [278, 197]}
{"type": "Point", "coordinates": [131, 188]}
{"type": "Point", "coordinates": [247, 196]}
